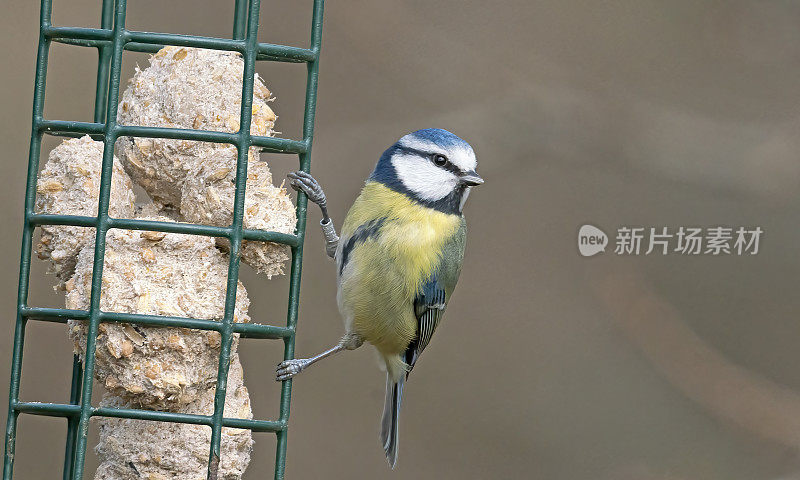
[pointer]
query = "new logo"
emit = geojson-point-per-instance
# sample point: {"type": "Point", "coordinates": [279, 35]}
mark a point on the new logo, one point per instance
{"type": "Point", "coordinates": [591, 240]}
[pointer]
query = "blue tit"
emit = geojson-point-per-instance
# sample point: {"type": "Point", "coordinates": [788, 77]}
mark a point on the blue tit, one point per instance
{"type": "Point", "coordinates": [399, 256]}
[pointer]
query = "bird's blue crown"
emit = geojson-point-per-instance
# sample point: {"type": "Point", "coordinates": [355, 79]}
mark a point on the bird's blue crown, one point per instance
{"type": "Point", "coordinates": [440, 137]}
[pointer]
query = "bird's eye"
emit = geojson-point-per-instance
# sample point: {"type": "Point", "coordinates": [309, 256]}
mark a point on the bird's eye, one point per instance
{"type": "Point", "coordinates": [439, 160]}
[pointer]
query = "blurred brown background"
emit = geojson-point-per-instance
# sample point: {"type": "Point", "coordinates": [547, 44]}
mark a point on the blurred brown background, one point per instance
{"type": "Point", "coordinates": [549, 365]}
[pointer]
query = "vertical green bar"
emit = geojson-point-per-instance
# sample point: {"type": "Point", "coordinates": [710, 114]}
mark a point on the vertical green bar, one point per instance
{"type": "Point", "coordinates": [100, 105]}
{"type": "Point", "coordinates": [72, 422]}
{"type": "Point", "coordinates": [109, 139]}
{"type": "Point", "coordinates": [103, 64]}
{"type": "Point", "coordinates": [243, 147]}
{"type": "Point", "coordinates": [297, 252]}
{"type": "Point", "coordinates": [240, 19]}
{"type": "Point", "coordinates": [27, 238]}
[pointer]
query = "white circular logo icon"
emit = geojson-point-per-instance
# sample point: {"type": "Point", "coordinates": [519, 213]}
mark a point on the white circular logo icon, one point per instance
{"type": "Point", "coordinates": [591, 240]}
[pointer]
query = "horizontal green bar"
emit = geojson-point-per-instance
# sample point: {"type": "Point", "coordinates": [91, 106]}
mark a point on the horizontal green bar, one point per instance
{"type": "Point", "coordinates": [207, 230]}
{"type": "Point", "coordinates": [53, 126]}
{"type": "Point", "coordinates": [158, 226]}
{"type": "Point", "coordinates": [48, 409]}
{"type": "Point", "coordinates": [142, 47]}
{"type": "Point", "coordinates": [57, 315]}
{"type": "Point", "coordinates": [275, 237]}
{"type": "Point", "coordinates": [266, 51]}
{"type": "Point", "coordinates": [177, 134]}
{"type": "Point", "coordinates": [286, 52]}
{"type": "Point", "coordinates": [279, 145]}
{"type": "Point", "coordinates": [269, 144]}
{"type": "Point", "coordinates": [53, 219]}
{"type": "Point", "coordinates": [246, 330]}
{"type": "Point", "coordinates": [100, 34]}
{"type": "Point", "coordinates": [95, 136]}
{"type": "Point", "coordinates": [82, 42]}
{"type": "Point", "coordinates": [78, 33]}
{"type": "Point", "coordinates": [268, 58]}
{"type": "Point", "coordinates": [65, 410]}
{"type": "Point", "coordinates": [254, 425]}
{"type": "Point", "coordinates": [185, 41]}
{"type": "Point", "coordinates": [152, 415]}
{"type": "Point", "coordinates": [169, 227]}
{"type": "Point", "coordinates": [160, 321]}
{"type": "Point", "coordinates": [65, 126]}
{"type": "Point", "coordinates": [257, 330]}
{"type": "Point", "coordinates": [292, 54]}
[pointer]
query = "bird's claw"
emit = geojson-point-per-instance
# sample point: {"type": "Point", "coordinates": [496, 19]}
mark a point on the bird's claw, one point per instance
{"type": "Point", "coordinates": [304, 182]}
{"type": "Point", "coordinates": [289, 368]}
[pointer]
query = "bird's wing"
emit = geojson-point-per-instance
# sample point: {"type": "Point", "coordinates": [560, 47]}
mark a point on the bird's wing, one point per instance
{"type": "Point", "coordinates": [430, 303]}
{"type": "Point", "coordinates": [429, 307]}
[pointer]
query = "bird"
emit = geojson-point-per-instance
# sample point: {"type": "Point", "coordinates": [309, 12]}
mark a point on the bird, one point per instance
{"type": "Point", "coordinates": [398, 258]}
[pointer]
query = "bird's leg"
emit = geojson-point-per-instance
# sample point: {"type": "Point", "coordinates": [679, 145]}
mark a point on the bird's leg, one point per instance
{"type": "Point", "coordinates": [304, 182]}
{"type": "Point", "coordinates": [289, 368]}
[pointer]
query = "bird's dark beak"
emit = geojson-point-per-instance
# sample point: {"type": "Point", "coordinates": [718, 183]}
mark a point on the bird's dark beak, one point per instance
{"type": "Point", "coordinates": [471, 179]}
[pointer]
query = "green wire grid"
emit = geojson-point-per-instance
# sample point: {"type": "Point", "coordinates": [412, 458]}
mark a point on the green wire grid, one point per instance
{"type": "Point", "coordinates": [111, 39]}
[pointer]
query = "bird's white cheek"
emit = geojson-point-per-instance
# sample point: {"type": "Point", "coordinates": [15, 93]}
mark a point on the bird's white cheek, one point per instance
{"type": "Point", "coordinates": [423, 178]}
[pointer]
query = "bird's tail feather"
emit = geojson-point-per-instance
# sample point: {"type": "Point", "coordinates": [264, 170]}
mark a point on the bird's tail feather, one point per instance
{"type": "Point", "coordinates": [391, 411]}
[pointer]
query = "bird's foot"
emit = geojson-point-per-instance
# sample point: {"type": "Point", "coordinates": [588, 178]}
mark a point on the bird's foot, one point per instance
{"type": "Point", "coordinates": [304, 182]}
{"type": "Point", "coordinates": [289, 368]}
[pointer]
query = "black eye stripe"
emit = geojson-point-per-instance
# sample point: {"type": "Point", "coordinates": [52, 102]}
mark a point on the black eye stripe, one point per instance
{"type": "Point", "coordinates": [449, 166]}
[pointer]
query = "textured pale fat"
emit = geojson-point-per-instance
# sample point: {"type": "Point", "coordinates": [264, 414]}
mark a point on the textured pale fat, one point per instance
{"type": "Point", "coordinates": [208, 198]}
{"type": "Point", "coordinates": [69, 184]}
{"type": "Point", "coordinates": [137, 449]}
{"type": "Point", "coordinates": [177, 275]}
{"type": "Point", "coordinates": [185, 88]}
{"type": "Point", "coordinates": [201, 89]}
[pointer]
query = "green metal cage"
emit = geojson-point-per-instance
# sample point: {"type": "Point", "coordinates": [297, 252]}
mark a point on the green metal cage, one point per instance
{"type": "Point", "coordinates": [110, 40]}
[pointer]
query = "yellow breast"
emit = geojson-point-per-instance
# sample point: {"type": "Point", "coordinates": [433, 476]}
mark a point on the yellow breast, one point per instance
{"type": "Point", "coordinates": [385, 273]}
